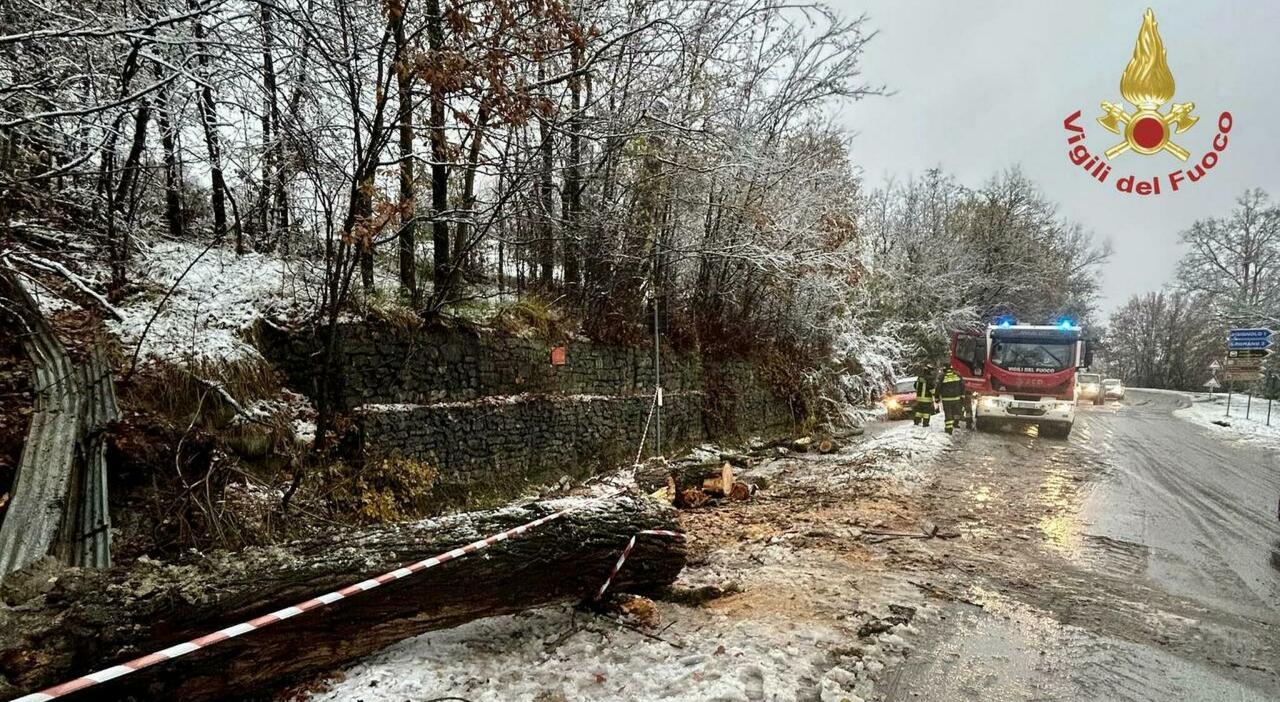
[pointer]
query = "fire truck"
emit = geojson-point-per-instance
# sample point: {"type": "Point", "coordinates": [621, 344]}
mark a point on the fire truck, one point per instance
{"type": "Point", "coordinates": [1022, 374]}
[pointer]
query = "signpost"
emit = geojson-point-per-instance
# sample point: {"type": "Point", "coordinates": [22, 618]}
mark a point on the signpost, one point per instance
{"type": "Point", "coordinates": [1213, 378]}
{"type": "Point", "coordinates": [1246, 351]}
{"type": "Point", "coordinates": [1273, 389]}
{"type": "Point", "coordinates": [1244, 375]}
{"type": "Point", "coordinates": [1255, 333]}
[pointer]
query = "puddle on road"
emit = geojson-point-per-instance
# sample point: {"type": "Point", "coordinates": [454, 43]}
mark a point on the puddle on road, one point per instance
{"type": "Point", "coordinates": [979, 494]}
{"type": "Point", "coordinates": [1060, 523]}
{"type": "Point", "coordinates": [1065, 532]}
{"type": "Point", "coordinates": [1011, 652]}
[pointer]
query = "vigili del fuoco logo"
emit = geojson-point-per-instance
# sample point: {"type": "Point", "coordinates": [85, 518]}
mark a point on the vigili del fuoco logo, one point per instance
{"type": "Point", "coordinates": [1145, 127]}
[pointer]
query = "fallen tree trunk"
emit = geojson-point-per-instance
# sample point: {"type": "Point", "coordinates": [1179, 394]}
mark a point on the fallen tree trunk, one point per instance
{"type": "Point", "coordinates": [91, 619]}
{"type": "Point", "coordinates": [653, 474]}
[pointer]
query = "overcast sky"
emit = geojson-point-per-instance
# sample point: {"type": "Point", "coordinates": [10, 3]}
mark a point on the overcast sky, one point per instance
{"type": "Point", "coordinates": [981, 86]}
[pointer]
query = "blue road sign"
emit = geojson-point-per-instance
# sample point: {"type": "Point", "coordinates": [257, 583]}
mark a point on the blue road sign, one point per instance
{"type": "Point", "coordinates": [1241, 334]}
{"type": "Point", "coordinates": [1248, 343]}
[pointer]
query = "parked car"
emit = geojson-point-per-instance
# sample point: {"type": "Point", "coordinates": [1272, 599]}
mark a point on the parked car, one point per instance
{"type": "Point", "coordinates": [1113, 388]}
{"type": "Point", "coordinates": [1090, 386]}
{"type": "Point", "coordinates": [900, 400]}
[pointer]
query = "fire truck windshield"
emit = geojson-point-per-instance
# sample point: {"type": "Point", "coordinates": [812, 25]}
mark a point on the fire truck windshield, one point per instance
{"type": "Point", "coordinates": [1031, 356]}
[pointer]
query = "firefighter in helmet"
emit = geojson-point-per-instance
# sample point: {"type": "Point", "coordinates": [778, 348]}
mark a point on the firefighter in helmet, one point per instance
{"type": "Point", "coordinates": [926, 394]}
{"type": "Point", "coordinates": [951, 391]}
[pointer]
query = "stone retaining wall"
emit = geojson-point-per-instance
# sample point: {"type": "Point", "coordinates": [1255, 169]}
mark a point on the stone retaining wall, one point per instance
{"type": "Point", "coordinates": [491, 411]}
{"type": "Point", "coordinates": [381, 366]}
{"type": "Point", "coordinates": [506, 442]}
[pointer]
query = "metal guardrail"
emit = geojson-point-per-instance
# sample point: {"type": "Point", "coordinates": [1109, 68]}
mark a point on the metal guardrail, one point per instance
{"type": "Point", "coordinates": [92, 544]}
{"type": "Point", "coordinates": [59, 497]}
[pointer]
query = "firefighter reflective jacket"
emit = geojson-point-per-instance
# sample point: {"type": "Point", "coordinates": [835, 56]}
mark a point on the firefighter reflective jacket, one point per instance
{"type": "Point", "coordinates": [952, 387]}
{"type": "Point", "coordinates": [924, 390]}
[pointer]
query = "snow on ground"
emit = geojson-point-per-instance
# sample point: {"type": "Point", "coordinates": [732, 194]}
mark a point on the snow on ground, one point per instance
{"type": "Point", "coordinates": [798, 630]}
{"type": "Point", "coordinates": [50, 302]}
{"type": "Point", "coordinates": [297, 407]}
{"type": "Point", "coordinates": [898, 451]}
{"type": "Point", "coordinates": [904, 451]}
{"type": "Point", "coordinates": [556, 654]}
{"type": "Point", "coordinates": [1247, 421]}
{"type": "Point", "coordinates": [213, 306]}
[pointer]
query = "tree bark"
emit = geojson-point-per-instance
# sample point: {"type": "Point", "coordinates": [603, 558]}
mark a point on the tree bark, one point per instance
{"type": "Point", "coordinates": [132, 162]}
{"type": "Point", "coordinates": [573, 178]}
{"type": "Point", "coordinates": [546, 186]}
{"type": "Point", "coordinates": [440, 257]}
{"type": "Point", "coordinates": [462, 230]}
{"type": "Point", "coordinates": [408, 234]}
{"type": "Point", "coordinates": [270, 128]}
{"type": "Point", "coordinates": [208, 109]}
{"type": "Point", "coordinates": [92, 619]}
{"type": "Point", "coordinates": [173, 214]}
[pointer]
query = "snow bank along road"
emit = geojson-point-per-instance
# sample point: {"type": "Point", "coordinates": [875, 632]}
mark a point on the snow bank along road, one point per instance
{"type": "Point", "coordinates": [1140, 560]}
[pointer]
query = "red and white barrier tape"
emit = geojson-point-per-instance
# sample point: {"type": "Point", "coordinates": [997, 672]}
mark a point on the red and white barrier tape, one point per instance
{"type": "Point", "coordinates": [265, 620]}
{"type": "Point", "coordinates": [627, 552]}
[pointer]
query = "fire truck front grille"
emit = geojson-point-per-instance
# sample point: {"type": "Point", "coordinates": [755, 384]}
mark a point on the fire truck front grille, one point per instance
{"type": "Point", "coordinates": [1027, 412]}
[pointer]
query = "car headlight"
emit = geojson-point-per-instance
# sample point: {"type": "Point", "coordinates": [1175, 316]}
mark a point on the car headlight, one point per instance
{"type": "Point", "coordinates": [891, 403]}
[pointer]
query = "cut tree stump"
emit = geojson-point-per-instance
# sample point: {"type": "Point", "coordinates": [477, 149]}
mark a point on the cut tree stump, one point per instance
{"type": "Point", "coordinates": [714, 479]}
{"type": "Point", "coordinates": [90, 619]}
{"type": "Point", "coordinates": [718, 482]}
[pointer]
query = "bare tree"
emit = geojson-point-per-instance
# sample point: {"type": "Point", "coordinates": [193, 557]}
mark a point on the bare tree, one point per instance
{"type": "Point", "coordinates": [1235, 261]}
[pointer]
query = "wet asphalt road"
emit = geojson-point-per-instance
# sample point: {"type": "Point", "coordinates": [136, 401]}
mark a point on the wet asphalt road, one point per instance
{"type": "Point", "coordinates": [1204, 507]}
{"type": "Point", "coordinates": [1146, 565]}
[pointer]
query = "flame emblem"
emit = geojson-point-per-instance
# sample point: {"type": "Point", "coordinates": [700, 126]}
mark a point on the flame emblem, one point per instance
{"type": "Point", "coordinates": [1147, 84]}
